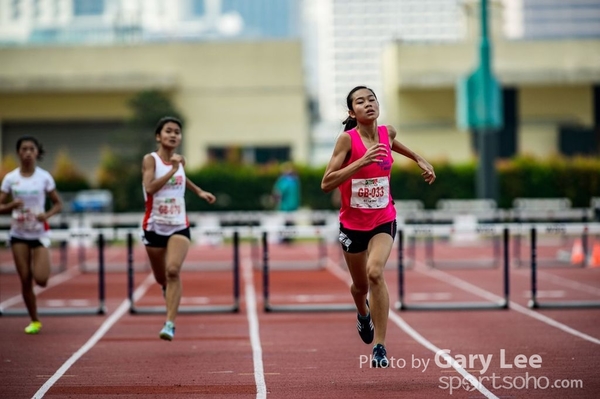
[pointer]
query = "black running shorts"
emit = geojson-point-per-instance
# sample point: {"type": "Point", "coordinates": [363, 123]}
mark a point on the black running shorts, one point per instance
{"type": "Point", "coordinates": [151, 239]}
{"type": "Point", "coordinates": [355, 241]}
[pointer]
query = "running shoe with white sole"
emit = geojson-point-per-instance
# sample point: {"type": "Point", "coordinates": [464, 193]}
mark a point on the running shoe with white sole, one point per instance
{"type": "Point", "coordinates": [168, 331]}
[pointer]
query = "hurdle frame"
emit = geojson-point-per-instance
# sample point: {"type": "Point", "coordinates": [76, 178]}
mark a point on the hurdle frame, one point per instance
{"type": "Point", "coordinates": [201, 309]}
{"type": "Point", "coordinates": [500, 305]}
{"type": "Point", "coordinates": [75, 310]}
{"type": "Point", "coordinates": [534, 303]}
{"type": "Point", "coordinates": [270, 308]}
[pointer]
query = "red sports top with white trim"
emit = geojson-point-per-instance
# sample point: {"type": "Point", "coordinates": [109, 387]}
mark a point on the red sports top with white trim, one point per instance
{"type": "Point", "coordinates": [165, 210]}
{"type": "Point", "coordinates": [366, 200]}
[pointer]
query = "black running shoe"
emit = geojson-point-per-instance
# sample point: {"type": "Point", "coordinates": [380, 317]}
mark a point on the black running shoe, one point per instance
{"type": "Point", "coordinates": [365, 327]}
{"type": "Point", "coordinates": [379, 358]}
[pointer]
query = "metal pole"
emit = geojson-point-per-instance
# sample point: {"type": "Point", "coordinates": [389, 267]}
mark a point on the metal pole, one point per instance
{"type": "Point", "coordinates": [101, 274]}
{"type": "Point", "coordinates": [533, 301]}
{"type": "Point", "coordinates": [130, 274]}
{"type": "Point", "coordinates": [400, 268]}
{"type": "Point", "coordinates": [236, 270]}
{"type": "Point", "coordinates": [506, 266]}
{"type": "Point", "coordinates": [487, 138]}
{"type": "Point", "coordinates": [265, 271]}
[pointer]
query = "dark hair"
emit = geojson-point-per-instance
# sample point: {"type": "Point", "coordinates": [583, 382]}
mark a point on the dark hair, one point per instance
{"type": "Point", "coordinates": [350, 123]}
{"type": "Point", "coordinates": [35, 142]}
{"type": "Point", "coordinates": [163, 121]}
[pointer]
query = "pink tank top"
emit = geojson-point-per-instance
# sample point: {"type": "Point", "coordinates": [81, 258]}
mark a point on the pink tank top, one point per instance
{"type": "Point", "coordinates": [366, 200]}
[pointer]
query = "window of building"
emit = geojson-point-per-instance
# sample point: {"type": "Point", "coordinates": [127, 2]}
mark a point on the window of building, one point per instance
{"type": "Point", "coordinates": [37, 9]}
{"type": "Point", "coordinates": [88, 7]}
{"type": "Point", "coordinates": [578, 140]}
{"type": "Point", "coordinates": [56, 8]}
{"type": "Point", "coordinates": [198, 8]}
{"type": "Point", "coordinates": [249, 155]}
{"type": "Point", "coordinates": [15, 9]}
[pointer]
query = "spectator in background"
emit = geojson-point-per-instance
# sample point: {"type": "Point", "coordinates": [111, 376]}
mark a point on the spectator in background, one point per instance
{"type": "Point", "coordinates": [286, 193]}
{"type": "Point", "coordinates": [29, 185]}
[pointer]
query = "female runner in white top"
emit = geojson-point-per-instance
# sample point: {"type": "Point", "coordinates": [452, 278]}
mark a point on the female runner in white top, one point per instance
{"type": "Point", "coordinates": [166, 228]}
{"type": "Point", "coordinates": [28, 185]}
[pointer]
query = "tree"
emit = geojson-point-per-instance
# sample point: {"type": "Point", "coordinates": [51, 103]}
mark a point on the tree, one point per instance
{"type": "Point", "coordinates": [120, 169]}
{"type": "Point", "coordinates": [137, 137]}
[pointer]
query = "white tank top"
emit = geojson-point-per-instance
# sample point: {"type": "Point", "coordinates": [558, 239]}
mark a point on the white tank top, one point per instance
{"type": "Point", "coordinates": [165, 210]}
{"type": "Point", "coordinates": [32, 191]}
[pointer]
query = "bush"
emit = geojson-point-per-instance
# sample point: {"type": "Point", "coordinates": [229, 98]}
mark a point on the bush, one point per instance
{"type": "Point", "coordinates": [66, 175]}
{"type": "Point", "coordinates": [246, 188]}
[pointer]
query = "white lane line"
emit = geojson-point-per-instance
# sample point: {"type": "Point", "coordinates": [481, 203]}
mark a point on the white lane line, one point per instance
{"type": "Point", "coordinates": [565, 282]}
{"type": "Point", "coordinates": [108, 323]}
{"type": "Point", "coordinates": [404, 326]}
{"type": "Point", "coordinates": [399, 321]}
{"type": "Point", "coordinates": [468, 287]}
{"type": "Point", "coordinates": [252, 314]}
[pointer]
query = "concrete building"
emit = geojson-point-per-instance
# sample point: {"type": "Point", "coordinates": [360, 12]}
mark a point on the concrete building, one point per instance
{"type": "Point", "coordinates": [69, 68]}
{"type": "Point", "coordinates": [415, 51]}
{"type": "Point", "coordinates": [551, 90]}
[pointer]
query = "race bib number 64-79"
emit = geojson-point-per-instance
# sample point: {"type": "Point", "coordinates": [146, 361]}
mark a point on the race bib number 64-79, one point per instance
{"type": "Point", "coordinates": [370, 193]}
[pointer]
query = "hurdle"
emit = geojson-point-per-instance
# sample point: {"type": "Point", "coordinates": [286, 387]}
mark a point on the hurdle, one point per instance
{"type": "Point", "coordinates": [234, 307]}
{"type": "Point", "coordinates": [74, 310]}
{"type": "Point", "coordinates": [502, 304]}
{"type": "Point", "coordinates": [295, 307]}
{"type": "Point", "coordinates": [271, 308]}
{"type": "Point", "coordinates": [534, 303]}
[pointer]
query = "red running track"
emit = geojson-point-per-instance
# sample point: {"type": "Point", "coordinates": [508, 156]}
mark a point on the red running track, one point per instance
{"type": "Point", "coordinates": [254, 354]}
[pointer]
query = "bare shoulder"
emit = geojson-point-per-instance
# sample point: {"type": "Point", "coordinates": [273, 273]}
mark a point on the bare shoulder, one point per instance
{"type": "Point", "coordinates": [391, 131]}
{"type": "Point", "coordinates": [148, 161]}
{"type": "Point", "coordinates": [344, 139]}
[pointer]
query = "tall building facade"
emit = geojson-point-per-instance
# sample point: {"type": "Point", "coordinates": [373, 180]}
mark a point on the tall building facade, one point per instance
{"type": "Point", "coordinates": [112, 21]}
{"type": "Point", "coordinates": [350, 36]}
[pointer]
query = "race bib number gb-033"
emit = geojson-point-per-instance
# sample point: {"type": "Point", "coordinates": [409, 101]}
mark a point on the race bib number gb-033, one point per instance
{"type": "Point", "coordinates": [170, 211]}
{"type": "Point", "coordinates": [370, 193]}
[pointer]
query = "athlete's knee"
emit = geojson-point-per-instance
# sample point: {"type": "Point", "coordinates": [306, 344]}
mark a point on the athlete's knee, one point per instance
{"type": "Point", "coordinates": [172, 271]}
{"type": "Point", "coordinates": [375, 275]}
{"type": "Point", "coordinates": [360, 288]}
{"type": "Point", "coordinates": [42, 282]}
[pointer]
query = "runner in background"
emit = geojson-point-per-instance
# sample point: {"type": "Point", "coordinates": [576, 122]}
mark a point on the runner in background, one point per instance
{"type": "Point", "coordinates": [29, 185]}
{"type": "Point", "coordinates": [166, 230]}
{"type": "Point", "coordinates": [360, 167]}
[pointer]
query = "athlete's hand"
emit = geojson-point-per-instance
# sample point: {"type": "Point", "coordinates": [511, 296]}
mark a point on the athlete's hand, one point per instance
{"type": "Point", "coordinates": [208, 197]}
{"type": "Point", "coordinates": [374, 154]}
{"type": "Point", "coordinates": [428, 172]}
{"type": "Point", "coordinates": [41, 217]}
{"type": "Point", "coordinates": [176, 160]}
{"type": "Point", "coordinates": [16, 204]}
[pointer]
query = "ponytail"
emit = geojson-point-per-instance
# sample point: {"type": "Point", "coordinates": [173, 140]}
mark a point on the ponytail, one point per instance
{"type": "Point", "coordinates": [349, 124]}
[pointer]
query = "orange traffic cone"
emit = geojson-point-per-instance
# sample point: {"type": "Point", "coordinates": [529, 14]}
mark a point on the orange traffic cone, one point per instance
{"type": "Point", "coordinates": [577, 255]}
{"type": "Point", "coordinates": [594, 260]}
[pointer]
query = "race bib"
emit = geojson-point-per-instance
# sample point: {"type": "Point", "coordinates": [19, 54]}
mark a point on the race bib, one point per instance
{"type": "Point", "coordinates": [370, 193]}
{"type": "Point", "coordinates": [26, 219]}
{"type": "Point", "coordinates": [170, 211]}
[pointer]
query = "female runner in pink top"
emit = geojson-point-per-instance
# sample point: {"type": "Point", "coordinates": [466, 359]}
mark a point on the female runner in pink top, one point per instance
{"type": "Point", "coordinates": [360, 167]}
